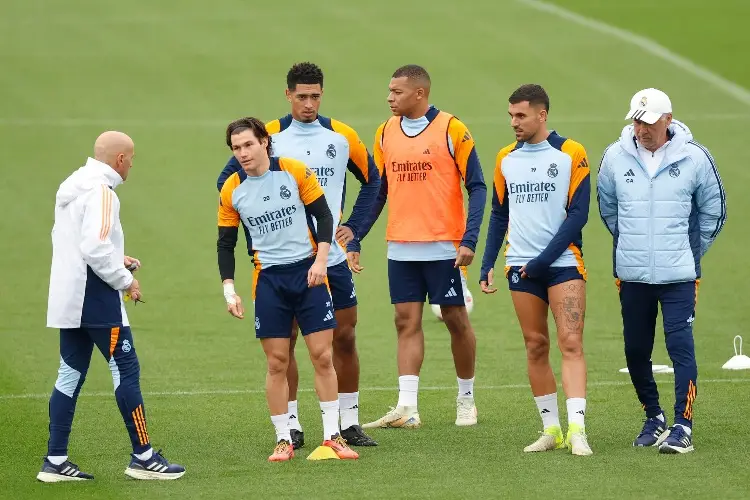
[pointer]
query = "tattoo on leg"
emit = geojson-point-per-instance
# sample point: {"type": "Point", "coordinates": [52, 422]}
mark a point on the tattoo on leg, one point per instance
{"type": "Point", "coordinates": [570, 312]}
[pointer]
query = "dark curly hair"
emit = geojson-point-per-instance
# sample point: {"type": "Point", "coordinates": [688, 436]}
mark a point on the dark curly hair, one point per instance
{"type": "Point", "coordinates": [305, 73]}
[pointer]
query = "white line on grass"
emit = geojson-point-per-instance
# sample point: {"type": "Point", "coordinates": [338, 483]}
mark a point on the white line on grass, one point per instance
{"type": "Point", "coordinates": [740, 93]}
{"type": "Point", "coordinates": [230, 392]}
{"type": "Point", "coordinates": [361, 122]}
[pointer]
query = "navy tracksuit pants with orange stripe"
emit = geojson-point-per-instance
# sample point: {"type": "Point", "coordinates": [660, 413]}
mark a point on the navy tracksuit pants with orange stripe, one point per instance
{"type": "Point", "coordinates": [76, 348]}
{"type": "Point", "coordinates": [640, 303]}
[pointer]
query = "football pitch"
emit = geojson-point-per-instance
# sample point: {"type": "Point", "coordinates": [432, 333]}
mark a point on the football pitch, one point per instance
{"type": "Point", "coordinates": [173, 74]}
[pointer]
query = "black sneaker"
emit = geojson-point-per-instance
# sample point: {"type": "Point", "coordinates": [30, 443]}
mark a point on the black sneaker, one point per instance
{"type": "Point", "coordinates": [298, 439]}
{"type": "Point", "coordinates": [66, 471]}
{"type": "Point", "coordinates": [355, 436]}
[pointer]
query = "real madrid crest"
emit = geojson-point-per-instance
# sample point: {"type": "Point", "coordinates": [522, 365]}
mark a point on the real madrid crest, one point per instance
{"type": "Point", "coordinates": [285, 193]}
{"type": "Point", "coordinates": [644, 101]}
{"type": "Point", "coordinates": [674, 171]}
{"type": "Point", "coordinates": [552, 170]}
{"type": "Point", "coordinates": [331, 151]}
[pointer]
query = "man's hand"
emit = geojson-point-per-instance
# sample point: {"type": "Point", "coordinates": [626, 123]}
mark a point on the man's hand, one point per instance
{"type": "Point", "coordinates": [234, 302]}
{"type": "Point", "coordinates": [523, 272]}
{"type": "Point", "coordinates": [134, 290]}
{"type": "Point", "coordinates": [353, 258]}
{"type": "Point", "coordinates": [487, 285]}
{"type": "Point", "coordinates": [464, 257]}
{"type": "Point", "coordinates": [344, 235]}
{"type": "Point", "coordinates": [317, 273]}
{"type": "Point", "coordinates": [236, 309]}
{"type": "Point", "coordinates": [132, 264]}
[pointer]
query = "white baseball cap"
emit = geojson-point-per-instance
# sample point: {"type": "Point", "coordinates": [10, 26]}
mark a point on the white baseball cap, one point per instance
{"type": "Point", "coordinates": [648, 105]}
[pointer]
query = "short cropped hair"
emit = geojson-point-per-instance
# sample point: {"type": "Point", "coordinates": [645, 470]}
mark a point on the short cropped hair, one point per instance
{"type": "Point", "coordinates": [252, 124]}
{"type": "Point", "coordinates": [531, 92]}
{"type": "Point", "coordinates": [413, 72]}
{"type": "Point", "coordinates": [305, 73]}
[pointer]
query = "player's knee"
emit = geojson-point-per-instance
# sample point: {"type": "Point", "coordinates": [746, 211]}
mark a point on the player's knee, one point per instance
{"type": "Point", "coordinates": [406, 323]}
{"type": "Point", "coordinates": [537, 347]}
{"type": "Point", "coordinates": [322, 360]}
{"type": "Point", "coordinates": [344, 341]}
{"type": "Point", "coordinates": [571, 347]}
{"type": "Point", "coordinates": [278, 362]}
{"type": "Point", "coordinates": [456, 320]}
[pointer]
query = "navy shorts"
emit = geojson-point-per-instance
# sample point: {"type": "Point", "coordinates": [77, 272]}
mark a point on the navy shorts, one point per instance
{"type": "Point", "coordinates": [539, 286]}
{"type": "Point", "coordinates": [414, 281]}
{"type": "Point", "coordinates": [341, 282]}
{"type": "Point", "coordinates": [282, 294]}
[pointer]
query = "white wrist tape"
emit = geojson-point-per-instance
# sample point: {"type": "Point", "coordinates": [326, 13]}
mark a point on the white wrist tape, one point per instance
{"type": "Point", "coordinates": [229, 293]}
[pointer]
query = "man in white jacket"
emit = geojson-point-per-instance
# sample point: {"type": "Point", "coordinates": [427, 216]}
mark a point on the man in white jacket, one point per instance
{"type": "Point", "coordinates": [89, 279]}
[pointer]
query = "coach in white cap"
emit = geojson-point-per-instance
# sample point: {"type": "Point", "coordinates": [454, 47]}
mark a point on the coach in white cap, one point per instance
{"type": "Point", "coordinates": [661, 197]}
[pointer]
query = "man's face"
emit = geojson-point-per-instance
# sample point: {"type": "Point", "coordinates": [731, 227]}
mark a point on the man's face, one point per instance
{"type": "Point", "coordinates": [305, 101]}
{"type": "Point", "coordinates": [654, 136]}
{"type": "Point", "coordinates": [125, 162]}
{"type": "Point", "coordinates": [248, 150]}
{"type": "Point", "coordinates": [526, 119]}
{"type": "Point", "coordinates": [403, 96]}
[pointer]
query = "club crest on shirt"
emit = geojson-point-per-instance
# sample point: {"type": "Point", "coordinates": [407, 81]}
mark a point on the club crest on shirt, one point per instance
{"type": "Point", "coordinates": [331, 151]}
{"type": "Point", "coordinates": [674, 171]}
{"type": "Point", "coordinates": [285, 193]}
{"type": "Point", "coordinates": [552, 170]}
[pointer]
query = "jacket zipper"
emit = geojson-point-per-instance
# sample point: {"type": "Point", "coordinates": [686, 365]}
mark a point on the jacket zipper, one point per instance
{"type": "Point", "coordinates": [651, 229]}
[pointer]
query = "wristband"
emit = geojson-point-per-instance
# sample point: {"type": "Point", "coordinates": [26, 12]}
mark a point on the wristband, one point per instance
{"type": "Point", "coordinates": [229, 293]}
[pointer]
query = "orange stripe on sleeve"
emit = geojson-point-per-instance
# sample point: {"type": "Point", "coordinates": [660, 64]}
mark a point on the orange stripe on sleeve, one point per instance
{"type": "Point", "coordinates": [377, 149]}
{"type": "Point", "coordinates": [463, 144]}
{"type": "Point", "coordinates": [579, 167]}
{"type": "Point", "coordinates": [307, 182]}
{"type": "Point", "coordinates": [106, 213]}
{"type": "Point", "coordinates": [273, 127]}
{"type": "Point", "coordinates": [357, 150]}
{"type": "Point", "coordinates": [499, 178]}
{"type": "Point", "coordinates": [228, 216]}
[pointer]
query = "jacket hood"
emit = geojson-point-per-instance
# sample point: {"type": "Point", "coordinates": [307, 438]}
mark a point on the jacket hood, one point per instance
{"type": "Point", "coordinates": [86, 178]}
{"type": "Point", "coordinates": [680, 136]}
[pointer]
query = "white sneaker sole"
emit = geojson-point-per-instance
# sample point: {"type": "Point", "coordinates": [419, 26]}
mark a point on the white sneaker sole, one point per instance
{"type": "Point", "coordinates": [412, 422]}
{"type": "Point", "coordinates": [147, 474]}
{"type": "Point", "coordinates": [48, 477]}
{"type": "Point", "coordinates": [674, 450]}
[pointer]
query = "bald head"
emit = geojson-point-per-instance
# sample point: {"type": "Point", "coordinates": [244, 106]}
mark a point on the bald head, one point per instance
{"type": "Point", "coordinates": [116, 150]}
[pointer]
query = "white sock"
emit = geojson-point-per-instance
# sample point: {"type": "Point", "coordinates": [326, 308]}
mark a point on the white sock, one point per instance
{"type": "Point", "coordinates": [281, 424]}
{"type": "Point", "coordinates": [294, 416]}
{"type": "Point", "coordinates": [687, 429]}
{"type": "Point", "coordinates": [547, 406]}
{"type": "Point", "coordinates": [466, 387]}
{"type": "Point", "coordinates": [145, 455]}
{"type": "Point", "coordinates": [330, 411]}
{"type": "Point", "coordinates": [408, 386]}
{"type": "Point", "coordinates": [349, 409]}
{"type": "Point", "coordinates": [58, 460]}
{"type": "Point", "coordinates": [576, 411]}
{"type": "Point", "coordinates": [660, 416]}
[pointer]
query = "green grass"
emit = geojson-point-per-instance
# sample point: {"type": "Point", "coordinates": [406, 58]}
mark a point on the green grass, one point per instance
{"type": "Point", "coordinates": [172, 75]}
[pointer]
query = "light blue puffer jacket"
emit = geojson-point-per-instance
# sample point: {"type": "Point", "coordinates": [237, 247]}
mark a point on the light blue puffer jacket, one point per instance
{"type": "Point", "coordinates": [662, 226]}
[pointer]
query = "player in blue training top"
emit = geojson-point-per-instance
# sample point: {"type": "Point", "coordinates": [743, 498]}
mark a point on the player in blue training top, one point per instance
{"type": "Point", "coordinates": [276, 199]}
{"type": "Point", "coordinates": [541, 200]}
{"type": "Point", "coordinates": [329, 148]}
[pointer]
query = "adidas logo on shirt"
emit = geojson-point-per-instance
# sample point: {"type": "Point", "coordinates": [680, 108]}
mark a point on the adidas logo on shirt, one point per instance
{"type": "Point", "coordinates": [630, 173]}
{"type": "Point", "coordinates": [451, 293]}
{"type": "Point", "coordinates": [426, 151]}
{"type": "Point", "coordinates": [329, 316]}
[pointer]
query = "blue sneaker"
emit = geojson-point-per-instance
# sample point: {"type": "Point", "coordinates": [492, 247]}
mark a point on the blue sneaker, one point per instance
{"type": "Point", "coordinates": [678, 441]}
{"type": "Point", "coordinates": [156, 467]}
{"type": "Point", "coordinates": [653, 433]}
{"type": "Point", "coordinates": [66, 471]}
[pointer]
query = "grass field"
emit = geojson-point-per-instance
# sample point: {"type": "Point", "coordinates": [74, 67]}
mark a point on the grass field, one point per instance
{"type": "Point", "coordinates": [172, 74]}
